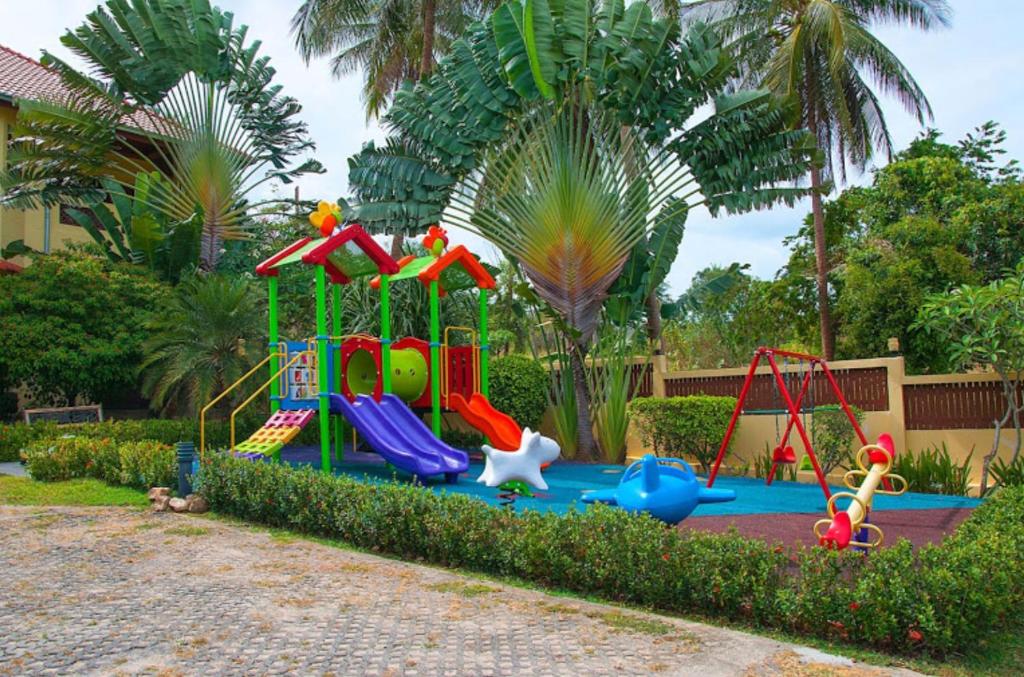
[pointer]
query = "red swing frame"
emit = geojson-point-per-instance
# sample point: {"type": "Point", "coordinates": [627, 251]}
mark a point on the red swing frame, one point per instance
{"type": "Point", "coordinates": [792, 407]}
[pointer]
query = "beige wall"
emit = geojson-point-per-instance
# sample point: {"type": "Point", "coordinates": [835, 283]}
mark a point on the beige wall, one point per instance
{"type": "Point", "coordinates": [755, 431]}
{"type": "Point", "coordinates": [30, 225]}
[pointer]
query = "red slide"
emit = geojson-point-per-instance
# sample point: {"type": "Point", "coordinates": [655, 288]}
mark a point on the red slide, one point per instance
{"type": "Point", "coordinates": [501, 429]}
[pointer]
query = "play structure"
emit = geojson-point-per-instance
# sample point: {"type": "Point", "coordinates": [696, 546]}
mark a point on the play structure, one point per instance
{"type": "Point", "coordinates": [802, 402]}
{"type": "Point", "coordinates": [666, 488]}
{"type": "Point", "coordinates": [852, 527]}
{"type": "Point", "coordinates": [379, 386]}
{"type": "Point", "coordinates": [523, 465]}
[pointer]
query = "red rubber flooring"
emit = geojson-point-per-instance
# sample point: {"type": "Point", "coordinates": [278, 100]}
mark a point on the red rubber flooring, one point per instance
{"type": "Point", "coordinates": [918, 526]}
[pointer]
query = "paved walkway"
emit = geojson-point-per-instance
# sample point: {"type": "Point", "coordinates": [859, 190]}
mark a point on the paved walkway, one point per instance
{"type": "Point", "coordinates": [121, 591]}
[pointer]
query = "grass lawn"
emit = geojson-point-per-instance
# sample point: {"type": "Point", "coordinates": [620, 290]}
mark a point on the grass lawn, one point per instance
{"type": "Point", "coordinates": [24, 491]}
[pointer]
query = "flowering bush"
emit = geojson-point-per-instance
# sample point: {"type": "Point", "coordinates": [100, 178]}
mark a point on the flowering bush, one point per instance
{"type": "Point", "coordinates": [938, 600]}
{"type": "Point", "coordinates": [141, 464]}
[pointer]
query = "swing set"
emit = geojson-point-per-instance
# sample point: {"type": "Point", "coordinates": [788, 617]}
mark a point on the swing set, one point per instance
{"type": "Point", "coordinates": [785, 380]}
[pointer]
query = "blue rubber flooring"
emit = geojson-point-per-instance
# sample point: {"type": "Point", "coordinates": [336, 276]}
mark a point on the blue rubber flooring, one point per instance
{"type": "Point", "coordinates": [568, 481]}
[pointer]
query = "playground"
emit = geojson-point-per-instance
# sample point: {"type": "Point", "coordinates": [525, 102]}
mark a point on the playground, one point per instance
{"type": "Point", "coordinates": [380, 405]}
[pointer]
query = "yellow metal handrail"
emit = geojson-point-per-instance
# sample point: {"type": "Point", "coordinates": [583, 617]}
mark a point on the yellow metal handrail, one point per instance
{"type": "Point", "coordinates": [202, 413]}
{"type": "Point", "coordinates": [475, 352]}
{"type": "Point", "coordinates": [263, 387]}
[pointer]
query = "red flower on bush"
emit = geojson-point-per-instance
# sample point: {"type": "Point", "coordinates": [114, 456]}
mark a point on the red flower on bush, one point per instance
{"type": "Point", "coordinates": [665, 556]}
{"type": "Point", "coordinates": [854, 606]}
{"type": "Point", "coordinates": [914, 635]}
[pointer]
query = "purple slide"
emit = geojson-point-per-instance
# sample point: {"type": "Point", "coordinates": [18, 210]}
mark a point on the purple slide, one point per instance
{"type": "Point", "coordinates": [400, 436]}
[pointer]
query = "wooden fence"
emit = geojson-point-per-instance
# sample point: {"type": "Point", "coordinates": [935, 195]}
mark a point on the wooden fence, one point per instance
{"type": "Point", "coordinates": [958, 405]}
{"type": "Point", "coordinates": [867, 389]}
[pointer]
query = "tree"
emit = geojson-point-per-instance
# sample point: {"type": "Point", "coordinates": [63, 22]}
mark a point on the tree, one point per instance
{"type": "Point", "coordinates": [935, 218]}
{"type": "Point", "coordinates": [206, 337]}
{"type": "Point", "coordinates": [821, 53]}
{"type": "Point", "coordinates": [538, 94]}
{"type": "Point", "coordinates": [72, 327]}
{"type": "Point", "coordinates": [983, 326]}
{"type": "Point", "coordinates": [390, 41]}
{"type": "Point", "coordinates": [173, 87]}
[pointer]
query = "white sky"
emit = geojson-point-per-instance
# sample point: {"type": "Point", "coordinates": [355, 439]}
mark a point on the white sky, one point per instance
{"type": "Point", "coordinates": [972, 73]}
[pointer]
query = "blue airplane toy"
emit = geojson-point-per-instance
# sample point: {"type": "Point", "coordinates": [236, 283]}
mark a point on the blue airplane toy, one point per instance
{"type": "Point", "coordinates": [667, 488]}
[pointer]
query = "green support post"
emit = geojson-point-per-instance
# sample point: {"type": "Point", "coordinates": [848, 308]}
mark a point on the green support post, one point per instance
{"type": "Point", "coordinates": [484, 346]}
{"type": "Point", "coordinates": [385, 333]}
{"type": "Point", "coordinates": [322, 339]}
{"type": "Point", "coordinates": [339, 426]}
{"type": "Point", "coordinates": [435, 360]}
{"type": "Point", "coordinates": [275, 363]}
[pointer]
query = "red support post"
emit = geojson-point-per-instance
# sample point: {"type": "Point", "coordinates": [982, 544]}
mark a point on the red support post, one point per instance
{"type": "Point", "coordinates": [735, 415]}
{"type": "Point", "coordinates": [799, 426]}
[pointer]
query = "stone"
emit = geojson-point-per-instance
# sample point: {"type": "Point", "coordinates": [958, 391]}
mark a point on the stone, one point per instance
{"type": "Point", "coordinates": [158, 492]}
{"type": "Point", "coordinates": [178, 505]}
{"type": "Point", "coordinates": [160, 503]}
{"type": "Point", "coordinates": [197, 504]}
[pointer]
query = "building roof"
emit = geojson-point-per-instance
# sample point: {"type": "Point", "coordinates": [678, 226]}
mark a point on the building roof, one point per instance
{"type": "Point", "coordinates": [22, 77]}
{"type": "Point", "coordinates": [346, 255]}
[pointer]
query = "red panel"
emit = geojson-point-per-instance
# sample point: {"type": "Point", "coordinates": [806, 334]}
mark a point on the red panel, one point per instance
{"type": "Point", "coordinates": [350, 346]}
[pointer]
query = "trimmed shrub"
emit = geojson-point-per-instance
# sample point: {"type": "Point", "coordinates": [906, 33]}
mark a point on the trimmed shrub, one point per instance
{"type": "Point", "coordinates": [942, 599]}
{"type": "Point", "coordinates": [142, 464]}
{"type": "Point", "coordinates": [833, 436]}
{"type": "Point", "coordinates": [518, 387]}
{"type": "Point", "coordinates": [692, 426]}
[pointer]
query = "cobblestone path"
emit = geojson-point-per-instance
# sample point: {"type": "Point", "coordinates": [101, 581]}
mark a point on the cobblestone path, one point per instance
{"type": "Point", "coordinates": [121, 591]}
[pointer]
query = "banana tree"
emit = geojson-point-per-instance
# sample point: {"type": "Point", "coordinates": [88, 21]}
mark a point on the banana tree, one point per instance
{"type": "Point", "coordinates": [174, 87]}
{"type": "Point", "coordinates": [560, 130]}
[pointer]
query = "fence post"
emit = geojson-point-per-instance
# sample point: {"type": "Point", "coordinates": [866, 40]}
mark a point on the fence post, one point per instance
{"type": "Point", "coordinates": [896, 371]}
{"type": "Point", "coordinates": [659, 367]}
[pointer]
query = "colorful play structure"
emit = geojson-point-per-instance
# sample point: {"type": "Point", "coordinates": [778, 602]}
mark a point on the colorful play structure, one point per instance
{"type": "Point", "coordinates": [852, 527]}
{"type": "Point", "coordinates": [665, 488]}
{"type": "Point", "coordinates": [848, 528]}
{"type": "Point", "coordinates": [376, 384]}
{"type": "Point", "coordinates": [783, 454]}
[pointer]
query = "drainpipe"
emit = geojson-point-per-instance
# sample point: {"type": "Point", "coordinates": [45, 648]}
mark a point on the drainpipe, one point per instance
{"type": "Point", "coordinates": [46, 230]}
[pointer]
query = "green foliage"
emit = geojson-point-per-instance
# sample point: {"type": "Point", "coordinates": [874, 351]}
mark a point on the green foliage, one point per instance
{"type": "Point", "coordinates": [133, 232]}
{"type": "Point", "coordinates": [518, 387]}
{"type": "Point", "coordinates": [692, 426]}
{"type": "Point", "coordinates": [980, 326]}
{"type": "Point", "coordinates": [460, 439]}
{"type": "Point", "coordinates": [203, 340]}
{"type": "Point", "coordinates": [942, 599]}
{"type": "Point", "coordinates": [610, 388]}
{"type": "Point", "coordinates": [201, 105]}
{"type": "Point", "coordinates": [73, 326]}
{"type": "Point", "coordinates": [933, 471]}
{"type": "Point", "coordinates": [24, 491]}
{"type": "Point", "coordinates": [1009, 474]}
{"type": "Point", "coordinates": [14, 438]}
{"type": "Point", "coordinates": [140, 465]}
{"type": "Point", "coordinates": [833, 436]}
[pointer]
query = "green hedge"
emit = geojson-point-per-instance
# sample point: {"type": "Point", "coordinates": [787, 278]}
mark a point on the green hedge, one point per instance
{"type": "Point", "coordinates": [692, 426]}
{"type": "Point", "coordinates": [942, 599]}
{"type": "Point", "coordinates": [15, 437]}
{"type": "Point", "coordinates": [140, 464]}
{"type": "Point", "coordinates": [518, 387]}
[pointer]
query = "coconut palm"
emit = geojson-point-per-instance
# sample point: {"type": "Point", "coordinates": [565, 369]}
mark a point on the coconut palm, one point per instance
{"type": "Point", "coordinates": [823, 55]}
{"type": "Point", "coordinates": [389, 41]}
{"type": "Point", "coordinates": [174, 88]}
{"type": "Point", "coordinates": [209, 335]}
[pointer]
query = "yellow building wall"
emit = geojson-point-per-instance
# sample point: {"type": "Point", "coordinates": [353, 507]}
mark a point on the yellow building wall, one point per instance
{"type": "Point", "coordinates": [30, 226]}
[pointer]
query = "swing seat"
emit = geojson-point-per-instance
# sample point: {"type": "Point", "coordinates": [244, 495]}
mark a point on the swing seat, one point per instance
{"type": "Point", "coordinates": [787, 455]}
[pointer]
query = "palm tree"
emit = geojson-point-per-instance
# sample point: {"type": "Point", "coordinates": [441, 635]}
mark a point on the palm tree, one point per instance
{"type": "Point", "coordinates": [821, 54]}
{"type": "Point", "coordinates": [390, 41]}
{"type": "Point", "coordinates": [174, 87]}
{"type": "Point", "coordinates": [209, 335]}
